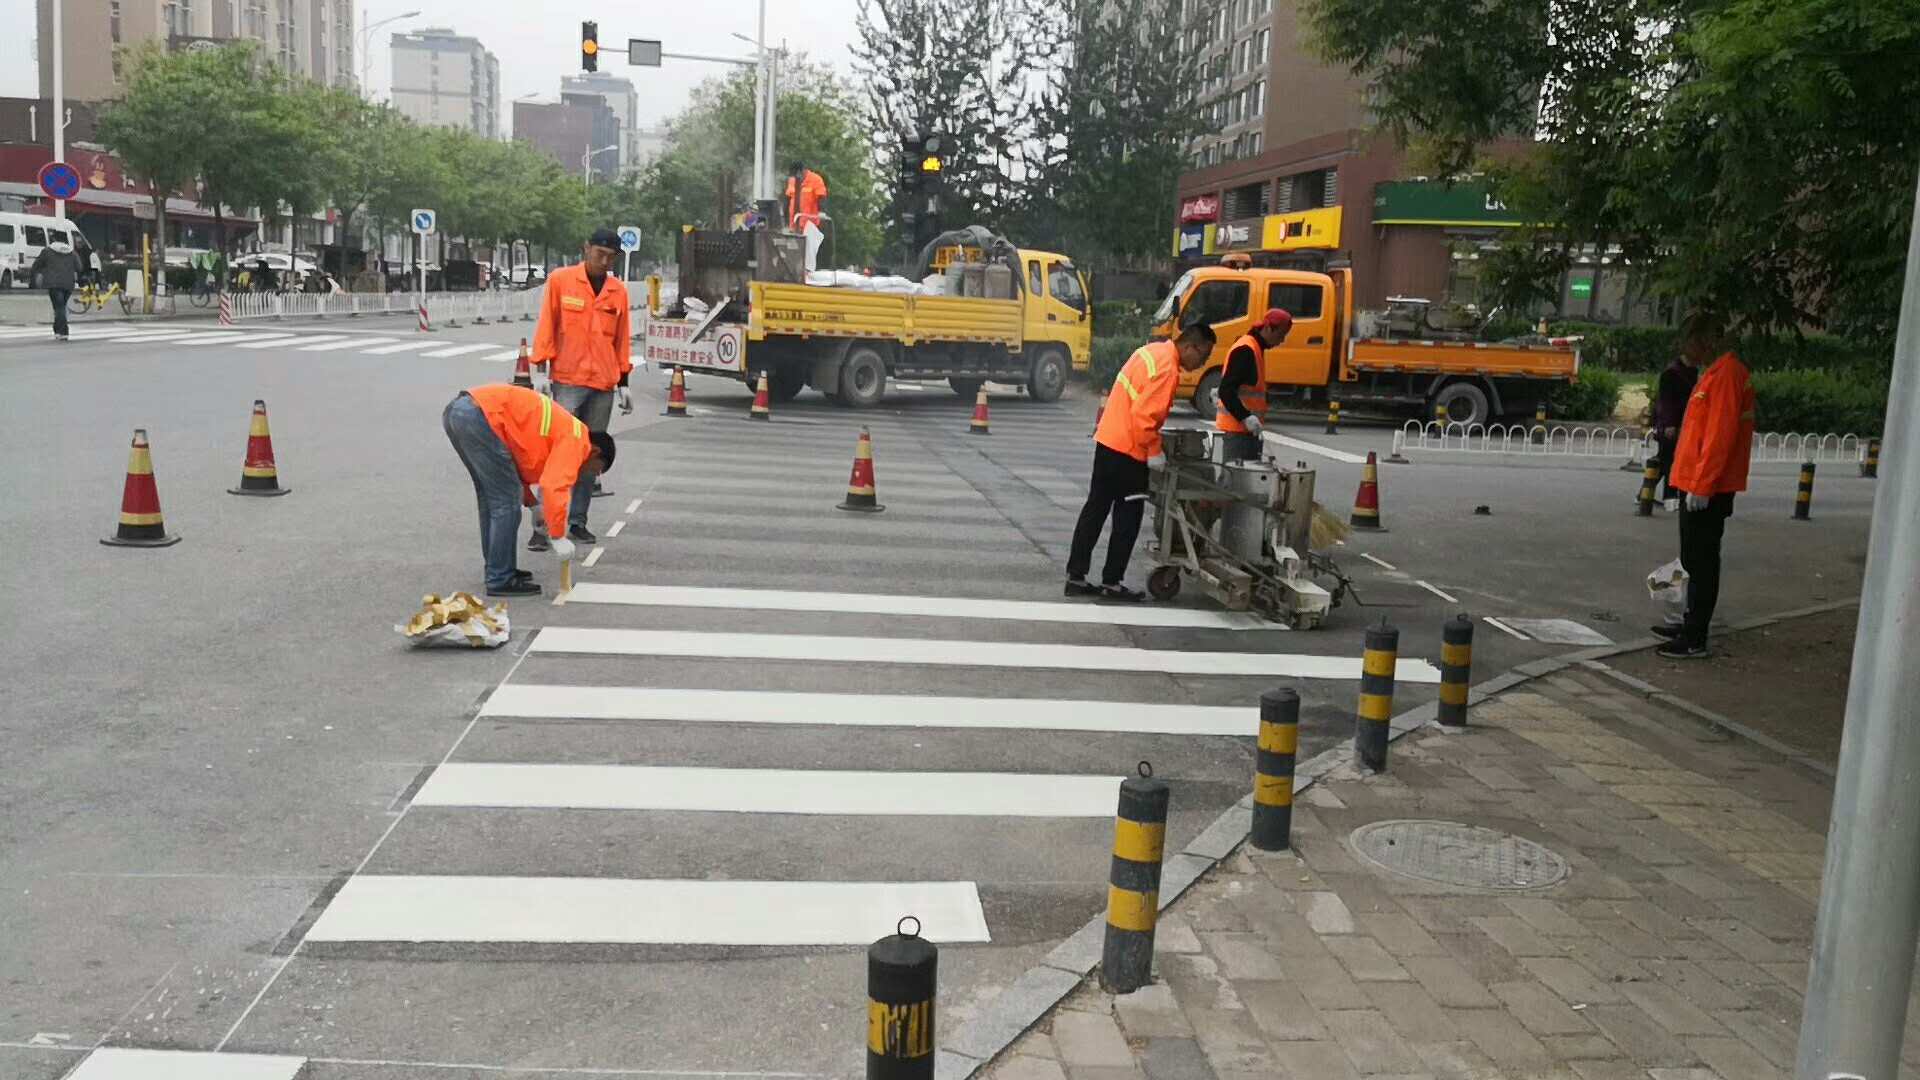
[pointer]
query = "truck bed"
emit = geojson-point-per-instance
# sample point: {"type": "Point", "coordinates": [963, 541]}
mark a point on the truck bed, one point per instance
{"type": "Point", "coordinates": [1368, 356]}
{"type": "Point", "coordinates": [810, 311]}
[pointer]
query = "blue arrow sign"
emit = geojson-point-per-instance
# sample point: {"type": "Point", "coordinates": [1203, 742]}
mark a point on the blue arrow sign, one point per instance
{"type": "Point", "coordinates": [423, 221]}
{"type": "Point", "coordinates": [629, 238]}
{"type": "Point", "coordinates": [59, 180]}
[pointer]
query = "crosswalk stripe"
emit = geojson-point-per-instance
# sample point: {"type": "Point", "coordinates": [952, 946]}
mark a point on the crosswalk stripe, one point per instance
{"type": "Point", "coordinates": [870, 650]}
{"type": "Point", "coordinates": [344, 343]}
{"type": "Point", "coordinates": [404, 346]}
{"type": "Point", "coordinates": [210, 337]}
{"type": "Point", "coordinates": [25, 331]}
{"type": "Point", "coordinates": [930, 606]}
{"type": "Point", "coordinates": [503, 357]}
{"type": "Point", "coordinates": [460, 350]}
{"type": "Point", "coordinates": [123, 1063]}
{"type": "Point", "coordinates": [549, 910]}
{"type": "Point", "coordinates": [768, 791]}
{"type": "Point", "coordinates": [540, 701]}
{"type": "Point", "coordinates": [277, 342]}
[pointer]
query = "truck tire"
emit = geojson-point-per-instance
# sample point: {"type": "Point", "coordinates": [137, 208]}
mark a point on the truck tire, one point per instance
{"type": "Point", "coordinates": [1206, 395]}
{"type": "Point", "coordinates": [1047, 380]}
{"type": "Point", "coordinates": [966, 388]}
{"type": "Point", "coordinates": [1466, 403]}
{"type": "Point", "coordinates": [863, 379]}
{"type": "Point", "coordinates": [784, 383]}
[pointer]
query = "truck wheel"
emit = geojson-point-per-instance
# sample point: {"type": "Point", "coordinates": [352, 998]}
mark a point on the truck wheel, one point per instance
{"type": "Point", "coordinates": [966, 388]}
{"type": "Point", "coordinates": [784, 384]}
{"type": "Point", "coordinates": [1206, 396]}
{"type": "Point", "coordinates": [1465, 402]}
{"type": "Point", "coordinates": [863, 379]}
{"type": "Point", "coordinates": [1048, 379]}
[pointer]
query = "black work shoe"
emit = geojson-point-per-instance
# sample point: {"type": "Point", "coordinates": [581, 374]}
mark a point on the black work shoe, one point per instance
{"type": "Point", "coordinates": [1082, 587]}
{"type": "Point", "coordinates": [516, 587]}
{"type": "Point", "coordinates": [1666, 631]}
{"type": "Point", "coordinates": [1121, 593]}
{"type": "Point", "coordinates": [580, 534]}
{"type": "Point", "coordinates": [1680, 649]}
{"type": "Point", "coordinates": [538, 541]}
{"type": "Point", "coordinates": [523, 575]}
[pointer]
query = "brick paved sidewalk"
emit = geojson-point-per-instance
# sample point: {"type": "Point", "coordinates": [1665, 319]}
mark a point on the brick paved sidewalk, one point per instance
{"type": "Point", "coordinates": [1675, 950]}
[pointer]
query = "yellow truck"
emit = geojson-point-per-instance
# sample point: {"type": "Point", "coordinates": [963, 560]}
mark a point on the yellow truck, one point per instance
{"type": "Point", "coordinates": [1406, 368]}
{"type": "Point", "coordinates": [847, 342]}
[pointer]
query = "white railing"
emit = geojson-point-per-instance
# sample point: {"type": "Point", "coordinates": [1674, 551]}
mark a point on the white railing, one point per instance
{"type": "Point", "coordinates": [1614, 442]}
{"type": "Point", "coordinates": [494, 305]}
{"type": "Point", "coordinates": [1797, 447]}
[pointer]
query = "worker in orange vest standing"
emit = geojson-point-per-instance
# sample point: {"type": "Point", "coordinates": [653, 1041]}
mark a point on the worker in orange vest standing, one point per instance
{"type": "Point", "coordinates": [1243, 385]}
{"type": "Point", "coordinates": [807, 207]}
{"type": "Point", "coordinates": [1709, 467]}
{"type": "Point", "coordinates": [585, 339]}
{"type": "Point", "coordinates": [510, 438]}
{"type": "Point", "coordinates": [1125, 444]}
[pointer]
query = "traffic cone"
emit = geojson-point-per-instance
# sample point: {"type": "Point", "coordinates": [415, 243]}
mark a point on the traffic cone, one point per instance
{"type": "Point", "coordinates": [677, 394]}
{"type": "Point", "coordinates": [141, 524]}
{"type": "Point", "coordinates": [258, 476]}
{"type": "Point", "coordinates": [760, 410]}
{"type": "Point", "coordinates": [979, 424]}
{"type": "Point", "coordinates": [862, 494]}
{"type": "Point", "coordinates": [1366, 503]}
{"type": "Point", "coordinates": [523, 367]}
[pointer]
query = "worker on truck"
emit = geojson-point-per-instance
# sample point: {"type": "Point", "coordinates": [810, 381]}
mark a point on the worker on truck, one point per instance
{"type": "Point", "coordinates": [1243, 385]}
{"type": "Point", "coordinates": [807, 207]}
{"type": "Point", "coordinates": [1125, 443]}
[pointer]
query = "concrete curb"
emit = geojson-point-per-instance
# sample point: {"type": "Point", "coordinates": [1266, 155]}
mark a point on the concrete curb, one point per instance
{"type": "Point", "coordinates": [976, 1043]}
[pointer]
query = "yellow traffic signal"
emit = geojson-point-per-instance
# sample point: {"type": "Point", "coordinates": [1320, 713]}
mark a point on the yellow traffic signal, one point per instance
{"type": "Point", "coordinates": [589, 46]}
{"type": "Point", "coordinates": [930, 164]}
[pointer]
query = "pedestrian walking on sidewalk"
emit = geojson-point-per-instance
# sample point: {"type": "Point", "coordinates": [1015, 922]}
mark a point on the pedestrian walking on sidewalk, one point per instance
{"type": "Point", "coordinates": [57, 268]}
{"type": "Point", "coordinates": [1669, 408]}
{"type": "Point", "coordinates": [510, 438]}
{"type": "Point", "coordinates": [585, 340]}
{"type": "Point", "coordinates": [1709, 468]}
{"type": "Point", "coordinates": [1125, 446]}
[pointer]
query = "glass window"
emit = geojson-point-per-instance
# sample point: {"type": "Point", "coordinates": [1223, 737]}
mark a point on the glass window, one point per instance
{"type": "Point", "coordinates": [36, 236]}
{"type": "Point", "coordinates": [1216, 302]}
{"type": "Point", "coordinates": [1300, 301]}
{"type": "Point", "coordinates": [1165, 310]}
{"type": "Point", "coordinates": [1064, 284]}
{"type": "Point", "coordinates": [1033, 277]}
{"type": "Point", "coordinates": [6, 234]}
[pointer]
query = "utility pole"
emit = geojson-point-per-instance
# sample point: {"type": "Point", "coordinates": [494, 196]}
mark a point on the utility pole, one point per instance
{"type": "Point", "coordinates": [1863, 943]}
{"type": "Point", "coordinates": [762, 140]}
{"type": "Point", "coordinates": [59, 102]}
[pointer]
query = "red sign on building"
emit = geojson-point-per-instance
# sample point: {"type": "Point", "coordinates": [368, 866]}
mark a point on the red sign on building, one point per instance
{"type": "Point", "coordinates": [1200, 208]}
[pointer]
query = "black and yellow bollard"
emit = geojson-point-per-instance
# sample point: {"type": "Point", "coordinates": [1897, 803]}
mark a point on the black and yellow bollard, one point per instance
{"type": "Point", "coordinates": [1333, 418]}
{"type": "Point", "coordinates": [1273, 769]}
{"type": "Point", "coordinates": [1870, 465]}
{"type": "Point", "coordinates": [1133, 884]}
{"type": "Point", "coordinates": [1440, 413]}
{"type": "Point", "coordinates": [902, 973]}
{"type": "Point", "coordinates": [1649, 476]}
{"type": "Point", "coordinates": [1375, 718]}
{"type": "Point", "coordinates": [1456, 669]}
{"type": "Point", "coordinates": [1540, 423]}
{"type": "Point", "coordinates": [1803, 498]}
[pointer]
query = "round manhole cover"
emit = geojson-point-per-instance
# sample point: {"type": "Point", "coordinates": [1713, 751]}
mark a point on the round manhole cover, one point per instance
{"type": "Point", "coordinates": [1450, 853]}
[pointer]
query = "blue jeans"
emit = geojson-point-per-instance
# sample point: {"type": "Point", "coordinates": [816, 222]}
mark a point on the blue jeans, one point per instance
{"type": "Point", "coordinates": [592, 408]}
{"type": "Point", "coordinates": [496, 484]}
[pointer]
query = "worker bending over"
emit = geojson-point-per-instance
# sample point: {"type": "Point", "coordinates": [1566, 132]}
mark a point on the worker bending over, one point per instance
{"type": "Point", "coordinates": [1243, 385]}
{"type": "Point", "coordinates": [509, 438]}
{"type": "Point", "coordinates": [1127, 439]}
{"type": "Point", "coordinates": [585, 335]}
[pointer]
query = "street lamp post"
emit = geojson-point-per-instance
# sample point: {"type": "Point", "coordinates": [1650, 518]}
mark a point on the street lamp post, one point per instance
{"type": "Point", "coordinates": [366, 41]}
{"type": "Point", "coordinates": [586, 163]}
{"type": "Point", "coordinates": [59, 103]}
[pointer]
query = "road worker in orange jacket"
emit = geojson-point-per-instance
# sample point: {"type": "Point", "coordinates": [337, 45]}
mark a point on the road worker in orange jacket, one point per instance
{"type": "Point", "coordinates": [1125, 443]}
{"type": "Point", "coordinates": [807, 208]}
{"type": "Point", "coordinates": [1243, 385]}
{"type": "Point", "coordinates": [1709, 468]}
{"type": "Point", "coordinates": [511, 438]}
{"type": "Point", "coordinates": [585, 340]}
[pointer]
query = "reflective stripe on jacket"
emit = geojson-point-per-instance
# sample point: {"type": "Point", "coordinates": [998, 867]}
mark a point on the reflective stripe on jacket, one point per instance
{"type": "Point", "coordinates": [548, 445]}
{"type": "Point", "coordinates": [587, 337]}
{"type": "Point", "coordinates": [1142, 396]}
{"type": "Point", "coordinates": [1253, 397]}
{"type": "Point", "coordinates": [1716, 438]}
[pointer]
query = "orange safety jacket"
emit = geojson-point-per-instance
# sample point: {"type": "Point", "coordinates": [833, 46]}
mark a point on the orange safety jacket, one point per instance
{"type": "Point", "coordinates": [1716, 437]}
{"type": "Point", "coordinates": [549, 447]}
{"type": "Point", "coordinates": [588, 338]}
{"type": "Point", "coordinates": [804, 205]}
{"type": "Point", "coordinates": [1253, 397]}
{"type": "Point", "coordinates": [1142, 396]}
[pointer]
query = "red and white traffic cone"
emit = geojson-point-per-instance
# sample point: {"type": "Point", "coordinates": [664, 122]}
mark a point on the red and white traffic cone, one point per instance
{"type": "Point", "coordinates": [677, 394]}
{"type": "Point", "coordinates": [522, 367]}
{"type": "Point", "coordinates": [1366, 502]}
{"type": "Point", "coordinates": [863, 495]}
{"type": "Point", "coordinates": [979, 424]}
{"type": "Point", "coordinates": [258, 474]}
{"type": "Point", "coordinates": [141, 524]}
{"type": "Point", "coordinates": [761, 409]}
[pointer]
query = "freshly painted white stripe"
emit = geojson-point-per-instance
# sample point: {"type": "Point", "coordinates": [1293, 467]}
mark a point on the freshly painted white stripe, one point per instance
{"type": "Point", "coordinates": [929, 606]}
{"type": "Point", "coordinates": [211, 337]}
{"type": "Point", "coordinates": [25, 331]}
{"type": "Point", "coordinates": [533, 701]}
{"type": "Point", "coordinates": [869, 650]}
{"type": "Point", "coordinates": [459, 350]}
{"type": "Point", "coordinates": [344, 343]}
{"type": "Point", "coordinates": [1381, 563]}
{"type": "Point", "coordinates": [645, 912]}
{"type": "Point", "coordinates": [1498, 625]}
{"type": "Point", "coordinates": [633, 507]}
{"type": "Point", "coordinates": [616, 527]}
{"type": "Point", "coordinates": [1436, 592]}
{"type": "Point", "coordinates": [235, 339]}
{"type": "Point", "coordinates": [592, 557]}
{"type": "Point", "coordinates": [1315, 448]}
{"type": "Point", "coordinates": [769, 791]}
{"type": "Point", "coordinates": [118, 1063]}
{"type": "Point", "coordinates": [277, 342]}
{"type": "Point", "coordinates": [503, 357]}
{"type": "Point", "coordinates": [130, 336]}
{"type": "Point", "coordinates": [404, 346]}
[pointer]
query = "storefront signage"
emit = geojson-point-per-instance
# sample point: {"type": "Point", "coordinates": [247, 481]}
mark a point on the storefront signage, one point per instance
{"type": "Point", "coordinates": [1305, 230]}
{"type": "Point", "coordinates": [1200, 208]}
{"type": "Point", "coordinates": [1233, 234]}
{"type": "Point", "coordinates": [1191, 240]}
{"type": "Point", "coordinates": [1435, 202]}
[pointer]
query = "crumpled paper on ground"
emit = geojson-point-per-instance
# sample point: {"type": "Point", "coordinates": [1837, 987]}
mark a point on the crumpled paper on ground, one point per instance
{"type": "Point", "coordinates": [460, 619]}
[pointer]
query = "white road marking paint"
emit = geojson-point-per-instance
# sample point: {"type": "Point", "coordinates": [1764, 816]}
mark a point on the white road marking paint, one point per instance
{"type": "Point", "coordinates": [7, 332]}
{"type": "Point", "coordinates": [592, 557]}
{"type": "Point", "coordinates": [1559, 631]}
{"type": "Point", "coordinates": [928, 606]}
{"type": "Point", "coordinates": [539, 701]}
{"type": "Point", "coordinates": [769, 791]}
{"type": "Point", "coordinates": [870, 650]}
{"type": "Point", "coordinates": [276, 342]}
{"type": "Point", "coordinates": [1381, 563]}
{"type": "Point", "coordinates": [567, 1070]}
{"type": "Point", "coordinates": [633, 507]}
{"type": "Point", "coordinates": [212, 337]}
{"type": "Point", "coordinates": [614, 530]}
{"type": "Point", "coordinates": [230, 339]}
{"type": "Point", "coordinates": [1436, 592]}
{"type": "Point", "coordinates": [117, 1063]}
{"type": "Point", "coordinates": [644, 912]}
{"type": "Point", "coordinates": [346, 343]}
{"type": "Point", "coordinates": [1315, 448]}
{"type": "Point", "coordinates": [1498, 625]}
{"type": "Point", "coordinates": [504, 357]}
{"type": "Point", "coordinates": [404, 346]}
{"type": "Point", "coordinates": [459, 350]}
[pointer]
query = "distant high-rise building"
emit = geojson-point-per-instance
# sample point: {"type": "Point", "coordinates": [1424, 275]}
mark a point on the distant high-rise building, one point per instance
{"type": "Point", "coordinates": [441, 79]}
{"type": "Point", "coordinates": [311, 38]}
{"type": "Point", "coordinates": [569, 131]}
{"type": "Point", "coordinates": [619, 96]}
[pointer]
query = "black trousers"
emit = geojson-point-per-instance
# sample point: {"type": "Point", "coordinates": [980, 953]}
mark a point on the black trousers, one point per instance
{"type": "Point", "coordinates": [1700, 535]}
{"type": "Point", "coordinates": [1242, 447]}
{"type": "Point", "coordinates": [1665, 449]}
{"type": "Point", "coordinates": [1119, 489]}
{"type": "Point", "coordinates": [59, 298]}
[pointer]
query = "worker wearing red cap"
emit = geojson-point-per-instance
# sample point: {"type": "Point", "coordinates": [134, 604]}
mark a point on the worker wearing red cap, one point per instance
{"type": "Point", "coordinates": [1243, 385]}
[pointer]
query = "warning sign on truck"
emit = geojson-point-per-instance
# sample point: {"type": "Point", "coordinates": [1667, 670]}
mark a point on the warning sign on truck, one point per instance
{"type": "Point", "coordinates": [719, 349]}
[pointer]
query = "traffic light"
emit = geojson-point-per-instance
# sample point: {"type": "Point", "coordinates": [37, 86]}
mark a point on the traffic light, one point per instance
{"type": "Point", "coordinates": [589, 46]}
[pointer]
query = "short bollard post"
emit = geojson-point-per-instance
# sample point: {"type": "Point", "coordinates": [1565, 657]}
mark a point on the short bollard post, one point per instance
{"type": "Point", "coordinates": [1649, 476]}
{"type": "Point", "coordinates": [1333, 418]}
{"type": "Point", "coordinates": [1456, 669]}
{"type": "Point", "coordinates": [1376, 696]}
{"type": "Point", "coordinates": [1540, 423]}
{"type": "Point", "coordinates": [902, 970]}
{"type": "Point", "coordinates": [1803, 498]}
{"type": "Point", "coordinates": [1870, 465]}
{"type": "Point", "coordinates": [1273, 769]}
{"type": "Point", "coordinates": [1133, 885]}
{"type": "Point", "coordinates": [1440, 414]}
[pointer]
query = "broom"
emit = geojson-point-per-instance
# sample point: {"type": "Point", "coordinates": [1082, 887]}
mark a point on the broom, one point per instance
{"type": "Point", "coordinates": [1327, 529]}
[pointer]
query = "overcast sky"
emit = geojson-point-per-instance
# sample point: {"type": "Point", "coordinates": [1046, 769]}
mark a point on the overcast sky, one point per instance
{"type": "Point", "coordinates": [537, 44]}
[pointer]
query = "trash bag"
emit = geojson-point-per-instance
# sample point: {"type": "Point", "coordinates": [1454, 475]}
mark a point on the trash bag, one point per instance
{"type": "Point", "coordinates": [1667, 586]}
{"type": "Point", "coordinates": [460, 620]}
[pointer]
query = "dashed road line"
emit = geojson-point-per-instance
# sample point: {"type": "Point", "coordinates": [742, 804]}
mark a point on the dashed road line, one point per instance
{"type": "Point", "coordinates": [617, 526]}
{"type": "Point", "coordinates": [1316, 448]}
{"type": "Point", "coordinates": [1436, 592]}
{"type": "Point", "coordinates": [1498, 625]}
{"type": "Point", "coordinates": [592, 557]}
{"type": "Point", "coordinates": [633, 507]}
{"type": "Point", "coordinates": [1381, 563]}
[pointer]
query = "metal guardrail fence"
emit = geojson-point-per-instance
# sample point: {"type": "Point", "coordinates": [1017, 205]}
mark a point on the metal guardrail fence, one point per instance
{"type": "Point", "coordinates": [496, 305]}
{"type": "Point", "coordinates": [1628, 443]}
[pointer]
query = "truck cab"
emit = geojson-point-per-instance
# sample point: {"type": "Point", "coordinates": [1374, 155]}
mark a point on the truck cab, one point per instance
{"type": "Point", "coordinates": [1057, 306]}
{"type": "Point", "coordinates": [1230, 298]}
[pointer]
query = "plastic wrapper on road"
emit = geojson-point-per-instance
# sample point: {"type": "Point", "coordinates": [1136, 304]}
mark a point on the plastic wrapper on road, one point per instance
{"type": "Point", "coordinates": [459, 620]}
{"type": "Point", "coordinates": [1667, 586]}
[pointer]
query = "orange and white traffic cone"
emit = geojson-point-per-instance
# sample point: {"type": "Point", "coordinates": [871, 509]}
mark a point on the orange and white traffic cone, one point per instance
{"type": "Point", "coordinates": [677, 393]}
{"type": "Point", "coordinates": [425, 324]}
{"type": "Point", "coordinates": [979, 424]}
{"type": "Point", "coordinates": [1366, 502]}
{"type": "Point", "coordinates": [761, 410]}
{"type": "Point", "coordinates": [863, 495]}
{"type": "Point", "coordinates": [258, 474]}
{"type": "Point", "coordinates": [523, 366]}
{"type": "Point", "coordinates": [141, 524]}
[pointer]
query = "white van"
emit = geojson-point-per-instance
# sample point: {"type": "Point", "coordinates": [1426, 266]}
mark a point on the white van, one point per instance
{"type": "Point", "coordinates": [21, 238]}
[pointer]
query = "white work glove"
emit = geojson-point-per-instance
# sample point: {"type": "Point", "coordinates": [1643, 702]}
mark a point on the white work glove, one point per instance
{"type": "Point", "coordinates": [1157, 462]}
{"type": "Point", "coordinates": [563, 549]}
{"type": "Point", "coordinates": [625, 397]}
{"type": "Point", "coordinates": [1253, 425]}
{"type": "Point", "coordinates": [1696, 503]}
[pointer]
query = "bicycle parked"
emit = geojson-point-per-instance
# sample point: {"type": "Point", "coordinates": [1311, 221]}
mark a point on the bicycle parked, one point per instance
{"type": "Point", "coordinates": [91, 297]}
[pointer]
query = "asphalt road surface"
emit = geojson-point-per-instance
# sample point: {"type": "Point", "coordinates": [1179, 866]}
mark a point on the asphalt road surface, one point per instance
{"type": "Point", "coordinates": [650, 835]}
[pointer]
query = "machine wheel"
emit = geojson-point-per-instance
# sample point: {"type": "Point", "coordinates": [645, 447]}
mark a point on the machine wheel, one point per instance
{"type": "Point", "coordinates": [784, 384]}
{"type": "Point", "coordinates": [863, 379]}
{"type": "Point", "coordinates": [1164, 583]}
{"type": "Point", "coordinates": [966, 388]}
{"type": "Point", "coordinates": [1048, 379]}
{"type": "Point", "coordinates": [1206, 395]}
{"type": "Point", "coordinates": [1466, 403]}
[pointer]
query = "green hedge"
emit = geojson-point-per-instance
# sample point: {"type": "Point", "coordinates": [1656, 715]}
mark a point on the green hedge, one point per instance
{"type": "Point", "coordinates": [1109, 353]}
{"type": "Point", "coordinates": [1122, 318]}
{"type": "Point", "coordinates": [1648, 349]}
{"type": "Point", "coordinates": [1818, 402]}
{"type": "Point", "coordinates": [1592, 397]}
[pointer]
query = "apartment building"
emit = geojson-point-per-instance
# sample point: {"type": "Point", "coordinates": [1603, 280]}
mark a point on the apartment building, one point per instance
{"type": "Point", "coordinates": [311, 38]}
{"type": "Point", "coordinates": [441, 79]}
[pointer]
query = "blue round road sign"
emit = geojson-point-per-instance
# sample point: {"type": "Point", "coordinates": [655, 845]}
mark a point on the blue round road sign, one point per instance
{"type": "Point", "coordinates": [59, 180]}
{"type": "Point", "coordinates": [422, 221]}
{"type": "Point", "coordinates": [629, 238]}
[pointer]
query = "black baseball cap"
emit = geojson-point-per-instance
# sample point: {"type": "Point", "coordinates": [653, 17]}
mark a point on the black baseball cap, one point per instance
{"type": "Point", "coordinates": [605, 238]}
